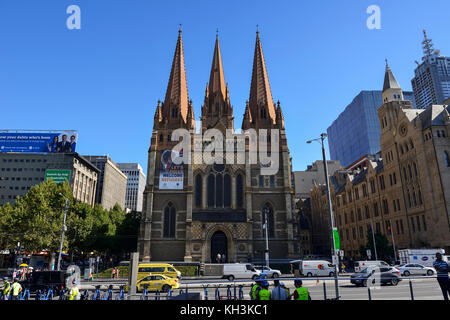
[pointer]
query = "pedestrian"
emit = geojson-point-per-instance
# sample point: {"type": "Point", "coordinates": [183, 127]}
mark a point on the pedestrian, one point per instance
{"type": "Point", "coordinates": [288, 293]}
{"type": "Point", "coordinates": [342, 267]}
{"type": "Point", "coordinates": [6, 288]}
{"type": "Point", "coordinates": [74, 293]}
{"type": "Point", "coordinates": [442, 270]}
{"type": "Point", "coordinates": [14, 274]}
{"type": "Point", "coordinates": [224, 259]}
{"type": "Point", "coordinates": [16, 290]}
{"type": "Point", "coordinates": [218, 258]}
{"type": "Point", "coordinates": [117, 273]}
{"type": "Point", "coordinates": [264, 293]}
{"type": "Point", "coordinates": [300, 293]}
{"type": "Point", "coordinates": [113, 273]}
{"type": "Point", "coordinates": [255, 288]}
{"type": "Point", "coordinates": [278, 293]}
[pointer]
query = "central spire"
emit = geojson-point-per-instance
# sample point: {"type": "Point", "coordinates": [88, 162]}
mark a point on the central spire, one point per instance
{"type": "Point", "coordinates": [177, 92]}
{"type": "Point", "coordinates": [260, 94]}
{"type": "Point", "coordinates": [217, 78]}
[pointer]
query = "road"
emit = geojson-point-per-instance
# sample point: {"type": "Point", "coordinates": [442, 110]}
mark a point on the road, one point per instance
{"type": "Point", "coordinates": [424, 288]}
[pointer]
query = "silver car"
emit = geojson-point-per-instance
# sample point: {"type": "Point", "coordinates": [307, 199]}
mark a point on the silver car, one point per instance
{"type": "Point", "coordinates": [415, 269]}
{"type": "Point", "coordinates": [271, 273]}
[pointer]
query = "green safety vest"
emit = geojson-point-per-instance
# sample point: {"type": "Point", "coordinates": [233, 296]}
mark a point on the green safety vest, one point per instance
{"type": "Point", "coordinates": [16, 288]}
{"type": "Point", "coordinates": [6, 287]}
{"type": "Point", "coordinates": [255, 286]}
{"type": "Point", "coordinates": [75, 292]}
{"type": "Point", "coordinates": [264, 294]}
{"type": "Point", "coordinates": [302, 293]}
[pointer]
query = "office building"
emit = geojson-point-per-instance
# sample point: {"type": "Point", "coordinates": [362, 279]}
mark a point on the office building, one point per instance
{"type": "Point", "coordinates": [21, 171]}
{"type": "Point", "coordinates": [356, 131]}
{"type": "Point", "coordinates": [431, 82]}
{"type": "Point", "coordinates": [112, 182]}
{"type": "Point", "coordinates": [135, 185]}
{"type": "Point", "coordinates": [314, 174]}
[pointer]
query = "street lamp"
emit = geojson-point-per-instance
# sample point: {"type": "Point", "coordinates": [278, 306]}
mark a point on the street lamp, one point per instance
{"type": "Point", "coordinates": [330, 212]}
{"type": "Point", "coordinates": [266, 212]}
{"type": "Point", "coordinates": [63, 229]}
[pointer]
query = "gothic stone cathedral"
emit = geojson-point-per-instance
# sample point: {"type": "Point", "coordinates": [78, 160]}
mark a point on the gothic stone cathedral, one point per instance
{"type": "Point", "coordinates": [217, 208]}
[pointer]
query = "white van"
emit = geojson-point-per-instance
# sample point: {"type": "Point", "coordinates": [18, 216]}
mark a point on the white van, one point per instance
{"type": "Point", "coordinates": [317, 268]}
{"type": "Point", "coordinates": [233, 271]}
{"type": "Point", "coordinates": [360, 265]}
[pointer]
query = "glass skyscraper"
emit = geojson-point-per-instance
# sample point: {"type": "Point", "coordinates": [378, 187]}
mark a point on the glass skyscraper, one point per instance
{"type": "Point", "coordinates": [356, 132]}
{"type": "Point", "coordinates": [431, 82]}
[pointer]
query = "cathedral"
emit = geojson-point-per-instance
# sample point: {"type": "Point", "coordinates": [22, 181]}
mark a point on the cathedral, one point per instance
{"type": "Point", "coordinates": [192, 210]}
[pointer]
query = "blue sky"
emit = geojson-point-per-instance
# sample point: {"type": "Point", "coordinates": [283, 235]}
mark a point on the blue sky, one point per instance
{"type": "Point", "coordinates": [105, 80]}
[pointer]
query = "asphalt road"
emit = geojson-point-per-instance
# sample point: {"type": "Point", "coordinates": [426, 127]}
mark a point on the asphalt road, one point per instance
{"type": "Point", "coordinates": [424, 288]}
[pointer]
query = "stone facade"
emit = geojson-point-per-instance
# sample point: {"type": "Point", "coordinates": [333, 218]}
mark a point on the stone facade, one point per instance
{"type": "Point", "coordinates": [219, 208]}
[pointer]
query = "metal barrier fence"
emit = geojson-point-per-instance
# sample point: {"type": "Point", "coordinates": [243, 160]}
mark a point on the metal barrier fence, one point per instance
{"type": "Point", "coordinates": [206, 290]}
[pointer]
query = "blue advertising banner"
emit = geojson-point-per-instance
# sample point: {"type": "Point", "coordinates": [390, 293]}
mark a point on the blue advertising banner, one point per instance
{"type": "Point", "coordinates": [38, 142]}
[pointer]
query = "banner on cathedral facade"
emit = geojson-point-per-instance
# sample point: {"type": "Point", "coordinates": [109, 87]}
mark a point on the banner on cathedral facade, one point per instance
{"type": "Point", "coordinates": [171, 175]}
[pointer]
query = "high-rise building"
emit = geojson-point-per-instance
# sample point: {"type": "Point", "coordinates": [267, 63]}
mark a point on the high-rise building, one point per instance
{"type": "Point", "coordinates": [21, 171]}
{"type": "Point", "coordinates": [431, 82]}
{"type": "Point", "coordinates": [356, 131]}
{"type": "Point", "coordinates": [112, 182]}
{"type": "Point", "coordinates": [135, 185]}
{"type": "Point", "coordinates": [206, 209]}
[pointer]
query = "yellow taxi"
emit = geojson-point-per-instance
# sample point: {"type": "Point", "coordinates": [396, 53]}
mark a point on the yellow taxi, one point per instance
{"type": "Point", "coordinates": [145, 269]}
{"type": "Point", "coordinates": [157, 282]}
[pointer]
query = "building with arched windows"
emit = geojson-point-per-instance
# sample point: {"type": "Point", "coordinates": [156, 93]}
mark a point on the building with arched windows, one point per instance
{"type": "Point", "coordinates": [200, 210]}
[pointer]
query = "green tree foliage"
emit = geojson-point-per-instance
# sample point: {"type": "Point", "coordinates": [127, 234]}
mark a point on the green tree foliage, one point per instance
{"type": "Point", "coordinates": [35, 220]}
{"type": "Point", "coordinates": [384, 250]}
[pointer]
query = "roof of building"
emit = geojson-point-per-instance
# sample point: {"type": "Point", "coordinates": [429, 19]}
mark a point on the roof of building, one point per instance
{"type": "Point", "coordinates": [389, 80]}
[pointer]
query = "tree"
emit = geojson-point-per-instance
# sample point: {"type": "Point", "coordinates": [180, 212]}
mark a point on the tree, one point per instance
{"type": "Point", "coordinates": [384, 250]}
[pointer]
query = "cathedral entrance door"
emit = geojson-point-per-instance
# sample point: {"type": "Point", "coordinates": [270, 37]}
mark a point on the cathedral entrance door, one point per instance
{"type": "Point", "coordinates": [219, 245]}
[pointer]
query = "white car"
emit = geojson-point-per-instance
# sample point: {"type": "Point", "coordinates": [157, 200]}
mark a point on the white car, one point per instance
{"type": "Point", "coordinates": [271, 273]}
{"type": "Point", "coordinates": [415, 269]}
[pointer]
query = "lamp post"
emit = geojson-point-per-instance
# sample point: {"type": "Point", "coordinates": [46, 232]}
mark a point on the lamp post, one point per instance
{"type": "Point", "coordinates": [266, 255]}
{"type": "Point", "coordinates": [330, 212]}
{"type": "Point", "coordinates": [63, 229]}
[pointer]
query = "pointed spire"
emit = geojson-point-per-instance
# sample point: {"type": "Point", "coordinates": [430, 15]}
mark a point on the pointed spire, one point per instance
{"type": "Point", "coordinates": [177, 91]}
{"type": "Point", "coordinates": [391, 89]}
{"type": "Point", "coordinates": [389, 80]}
{"type": "Point", "coordinates": [280, 117]}
{"type": "Point", "coordinates": [260, 88]}
{"type": "Point", "coordinates": [247, 119]}
{"type": "Point", "coordinates": [217, 78]}
{"type": "Point", "coordinates": [158, 114]}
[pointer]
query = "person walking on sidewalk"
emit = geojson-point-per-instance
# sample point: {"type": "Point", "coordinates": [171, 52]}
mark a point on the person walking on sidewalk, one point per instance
{"type": "Point", "coordinates": [442, 270]}
{"type": "Point", "coordinates": [16, 290]}
{"type": "Point", "coordinates": [6, 288]}
{"type": "Point", "coordinates": [264, 293]}
{"type": "Point", "coordinates": [278, 292]}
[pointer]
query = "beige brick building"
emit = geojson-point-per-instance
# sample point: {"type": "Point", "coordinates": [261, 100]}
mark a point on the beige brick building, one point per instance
{"type": "Point", "coordinates": [408, 190]}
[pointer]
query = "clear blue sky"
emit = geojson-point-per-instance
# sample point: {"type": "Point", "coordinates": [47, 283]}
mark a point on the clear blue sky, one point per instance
{"type": "Point", "coordinates": [105, 79]}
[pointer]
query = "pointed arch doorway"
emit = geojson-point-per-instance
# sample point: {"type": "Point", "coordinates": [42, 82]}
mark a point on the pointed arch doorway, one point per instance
{"type": "Point", "coordinates": [219, 245]}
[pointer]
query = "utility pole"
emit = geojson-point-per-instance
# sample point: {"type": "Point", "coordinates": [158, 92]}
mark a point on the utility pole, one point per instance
{"type": "Point", "coordinates": [330, 212]}
{"type": "Point", "coordinates": [63, 229]}
{"type": "Point", "coordinates": [266, 212]}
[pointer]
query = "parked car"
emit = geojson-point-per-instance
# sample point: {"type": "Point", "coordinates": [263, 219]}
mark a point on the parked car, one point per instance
{"type": "Point", "coordinates": [271, 273]}
{"type": "Point", "coordinates": [385, 274]}
{"type": "Point", "coordinates": [415, 269]}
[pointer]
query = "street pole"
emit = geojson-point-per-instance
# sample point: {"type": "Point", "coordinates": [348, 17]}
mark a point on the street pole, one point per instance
{"type": "Point", "coordinates": [62, 233]}
{"type": "Point", "coordinates": [265, 210]}
{"type": "Point", "coordinates": [393, 242]}
{"type": "Point", "coordinates": [330, 211]}
{"type": "Point", "coordinates": [373, 239]}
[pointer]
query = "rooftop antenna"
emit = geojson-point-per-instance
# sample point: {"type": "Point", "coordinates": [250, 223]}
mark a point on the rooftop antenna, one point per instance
{"type": "Point", "coordinates": [427, 44]}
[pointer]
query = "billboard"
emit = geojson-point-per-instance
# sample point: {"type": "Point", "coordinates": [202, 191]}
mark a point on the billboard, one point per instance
{"type": "Point", "coordinates": [38, 141]}
{"type": "Point", "coordinates": [171, 175]}
{"type": "Point", "coordinates": [58, 176]}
